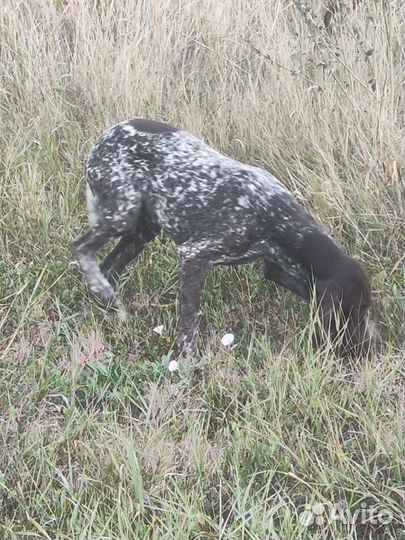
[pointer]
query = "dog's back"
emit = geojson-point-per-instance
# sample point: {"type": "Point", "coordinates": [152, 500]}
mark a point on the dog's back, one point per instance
{"type": "Point", "coordinates": [189, 189]}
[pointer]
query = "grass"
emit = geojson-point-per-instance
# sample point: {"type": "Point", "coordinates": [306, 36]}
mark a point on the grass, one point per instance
{"type": "Point", "coordinates": [98, 440]}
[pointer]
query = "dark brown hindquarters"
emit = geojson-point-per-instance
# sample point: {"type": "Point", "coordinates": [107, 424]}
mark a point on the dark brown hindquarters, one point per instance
{"type": "Point", "coordinates": [151, 126]}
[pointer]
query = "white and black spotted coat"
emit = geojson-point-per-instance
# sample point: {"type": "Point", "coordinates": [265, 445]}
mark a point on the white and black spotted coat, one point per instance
{"type": "Point", "coordinates": [200, 198]}
{"type": "Point", "coordinates": [144, 177]}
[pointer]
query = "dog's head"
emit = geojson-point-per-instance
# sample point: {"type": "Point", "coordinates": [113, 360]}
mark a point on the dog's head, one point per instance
{"type": "Point", "coordinates": [344, 300]}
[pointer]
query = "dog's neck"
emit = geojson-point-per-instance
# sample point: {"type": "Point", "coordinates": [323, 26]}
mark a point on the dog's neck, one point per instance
{"type": "Point", "coordinates": [320, 255]}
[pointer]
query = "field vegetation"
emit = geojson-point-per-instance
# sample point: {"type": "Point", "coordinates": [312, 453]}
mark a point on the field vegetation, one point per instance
{"type": "Point", "coordinates": [98, 439]}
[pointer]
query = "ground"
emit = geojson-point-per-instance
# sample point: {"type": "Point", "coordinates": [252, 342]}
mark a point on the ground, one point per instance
{"type": "Point", "coordinates": [269, 440]}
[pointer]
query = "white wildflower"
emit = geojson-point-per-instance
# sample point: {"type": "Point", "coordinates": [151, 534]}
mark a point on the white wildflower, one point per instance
{"type": "Point", "coordinates": [173, 365]}
{"type": "Point", "coordinates": [227, 340]}
{"type": "Point", "coordinates": [159, 329]}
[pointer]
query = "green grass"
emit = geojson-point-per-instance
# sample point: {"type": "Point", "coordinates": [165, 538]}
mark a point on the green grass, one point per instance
{"type": "Point", "coordinates": [98, 440]}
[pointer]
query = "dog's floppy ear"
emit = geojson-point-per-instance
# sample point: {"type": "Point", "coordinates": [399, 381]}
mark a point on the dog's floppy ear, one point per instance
{"type": "Point", "coordinates": [329, 297]}
{"type": "Point", "coordinates": [343, 316]}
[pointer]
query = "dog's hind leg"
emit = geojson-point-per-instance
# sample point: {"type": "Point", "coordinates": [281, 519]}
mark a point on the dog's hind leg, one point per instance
{"type": "Point", "coordinates": [128, 248]}
{"type": "Point", "coordinates": [108, 222]}
{"type": "Point", "coordinates": [85, 249]}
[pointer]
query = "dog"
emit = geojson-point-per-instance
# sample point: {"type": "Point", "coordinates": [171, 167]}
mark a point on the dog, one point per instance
{"type": "Point", "coordinates": [145, 177]}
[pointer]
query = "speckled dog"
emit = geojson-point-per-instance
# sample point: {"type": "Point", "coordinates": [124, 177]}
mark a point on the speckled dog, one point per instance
{"type": "Point", "coordinates": [144, 177]}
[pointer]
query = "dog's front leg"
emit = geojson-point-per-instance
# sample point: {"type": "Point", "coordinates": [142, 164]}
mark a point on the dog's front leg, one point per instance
{"type": "Point", "coordinates": [193, 271]}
